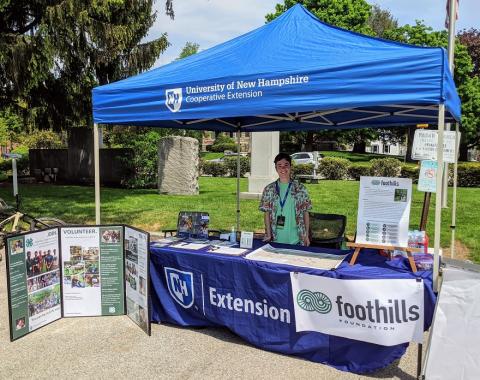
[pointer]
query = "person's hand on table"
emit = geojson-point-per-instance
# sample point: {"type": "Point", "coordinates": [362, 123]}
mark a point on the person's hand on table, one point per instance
{"type": "Point", "coordinates": [306, 241]}
{"type": "Point", "coordinates": [267, 238]}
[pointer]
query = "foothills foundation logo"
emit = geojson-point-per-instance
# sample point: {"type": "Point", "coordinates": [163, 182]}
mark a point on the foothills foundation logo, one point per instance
{"type": "Point", "coordinates": [173, 99]}
{"type": "Point", "coordinates": [314, 301]}
{"type": "Point", "coordinates": [180, 286]}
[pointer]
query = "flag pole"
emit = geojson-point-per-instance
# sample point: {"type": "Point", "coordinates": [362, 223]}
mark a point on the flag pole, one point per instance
{"type": "Point", "coordinates": [451, 17]}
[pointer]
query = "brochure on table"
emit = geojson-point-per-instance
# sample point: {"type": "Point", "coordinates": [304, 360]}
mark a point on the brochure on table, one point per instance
{"type": "Point", "coordinates": [384, 211]}
{"type": "Point", "coordinates": [76, 271]}
{"type": "Point", "coordinates": [295, 257]}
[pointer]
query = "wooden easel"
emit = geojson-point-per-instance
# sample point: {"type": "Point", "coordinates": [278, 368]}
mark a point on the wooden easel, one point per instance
{"type": "Point", "coordinates": [358, 247]}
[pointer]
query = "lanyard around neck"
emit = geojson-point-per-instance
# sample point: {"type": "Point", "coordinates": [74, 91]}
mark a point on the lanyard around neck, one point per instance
{"type": "Point", "coordinates": [282, 201]}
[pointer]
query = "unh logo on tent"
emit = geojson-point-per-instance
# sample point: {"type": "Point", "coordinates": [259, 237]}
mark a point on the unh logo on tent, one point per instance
{"type": "Point", "coordinates": [180, 286]}
{"type": "Point", "coordinates": [173, 99]}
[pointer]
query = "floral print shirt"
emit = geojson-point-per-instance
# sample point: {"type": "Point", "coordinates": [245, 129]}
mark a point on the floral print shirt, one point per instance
{"type": "Point", "coordinates": [270, 201]}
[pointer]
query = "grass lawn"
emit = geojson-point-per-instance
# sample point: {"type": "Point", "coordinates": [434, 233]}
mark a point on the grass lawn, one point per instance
{"type": "Point", "coordinates": [148, 210]}
{"type": "Point", "coordinates": [211, 155]}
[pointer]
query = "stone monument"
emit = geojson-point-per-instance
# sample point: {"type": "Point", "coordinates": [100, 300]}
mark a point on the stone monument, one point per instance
{"type": "Point", "coordinates": [264, 147]}
{"type": "Point", "coordinates": [178, 165]}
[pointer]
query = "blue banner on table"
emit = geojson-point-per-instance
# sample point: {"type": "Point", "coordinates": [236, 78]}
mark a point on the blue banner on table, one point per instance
{"type": "Point", "coordinates": [254, 300]}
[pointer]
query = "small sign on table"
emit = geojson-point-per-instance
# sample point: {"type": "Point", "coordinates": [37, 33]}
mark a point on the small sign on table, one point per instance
{"type": "Point", "coordinates": [246, 240]}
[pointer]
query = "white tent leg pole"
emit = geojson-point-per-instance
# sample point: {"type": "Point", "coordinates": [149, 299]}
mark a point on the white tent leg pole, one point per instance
{"type": "Point", "coordinates": [96, 154]}
{"type": "Point", "coordinates": [238, 179]}
{"type": "Point", "coordinates": [445, 178]}
{"type": "Point", "coordinates": [438, 197]}
{"type": "Point", "coordinates": [454, 195]}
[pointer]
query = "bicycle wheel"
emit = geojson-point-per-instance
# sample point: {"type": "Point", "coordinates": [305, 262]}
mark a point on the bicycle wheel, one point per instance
{"type": "Point", "coordinates": [46, 222]}
{"type": "Point", "coordinates": [13, 225]}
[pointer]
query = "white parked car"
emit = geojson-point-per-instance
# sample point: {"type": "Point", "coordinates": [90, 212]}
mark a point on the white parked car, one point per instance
{"type": "Point", "coordinates": [304, 158]}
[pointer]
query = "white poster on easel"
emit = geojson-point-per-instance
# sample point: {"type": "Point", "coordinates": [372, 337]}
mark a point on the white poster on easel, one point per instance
{"type": "Point", "coordinates": [384, 211]}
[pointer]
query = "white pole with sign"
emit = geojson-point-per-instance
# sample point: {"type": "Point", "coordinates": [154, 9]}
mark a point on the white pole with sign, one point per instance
{"type": "Point", "coordinates": [438, 197]}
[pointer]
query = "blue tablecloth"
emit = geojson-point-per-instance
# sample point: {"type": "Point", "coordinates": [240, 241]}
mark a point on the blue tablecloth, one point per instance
{"type": "Point", "coordinates": [269, 284]}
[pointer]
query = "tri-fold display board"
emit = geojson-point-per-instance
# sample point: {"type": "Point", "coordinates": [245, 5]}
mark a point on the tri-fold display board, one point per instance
{"type": "Point", "coordinates": [77, 271]}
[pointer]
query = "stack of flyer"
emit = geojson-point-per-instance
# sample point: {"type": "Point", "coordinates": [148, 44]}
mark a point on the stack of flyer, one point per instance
{"type": "Point", "coordinates": [423, 261]}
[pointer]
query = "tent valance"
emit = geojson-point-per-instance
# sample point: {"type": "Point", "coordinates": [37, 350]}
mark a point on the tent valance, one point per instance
{"type": "Point", "coordinates": [294, 73]}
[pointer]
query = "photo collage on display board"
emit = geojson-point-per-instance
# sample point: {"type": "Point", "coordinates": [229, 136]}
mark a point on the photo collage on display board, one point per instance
{"type": "Point", "coordinates": [77, 271]}
{"type": "Point", "coordinates": [136, 277]}
{"type": "Point", "coordinates": [92, 260]}
{"type": "Point", "coordinates": [34, 281]}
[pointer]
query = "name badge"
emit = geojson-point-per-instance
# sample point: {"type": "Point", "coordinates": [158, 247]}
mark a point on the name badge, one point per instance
{"type": "Point", "coordinates": [280, 221]}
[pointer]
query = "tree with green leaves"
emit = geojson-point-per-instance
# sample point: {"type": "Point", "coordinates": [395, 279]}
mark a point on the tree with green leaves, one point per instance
{"type": "Point", "coordinates": [355, 15]}
{"type": "Point", "coordinates": [189, 49]}
{"type": "Point", "coordinates": [347, 14]}
{"type": "Point", "coordinates": [468, 84]}
{"type": "Point", "coordinates": [10, 128]}
{"type": "Point", "coordinates": [471, 39]}
{"type": "Point", "coordinates": [53, 52]}
{"type": "Point", "coordinates": [381, 20]}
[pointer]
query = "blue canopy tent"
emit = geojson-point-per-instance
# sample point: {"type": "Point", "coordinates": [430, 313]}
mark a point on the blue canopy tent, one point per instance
{"type": "Point", "coordinates": [294, 73]}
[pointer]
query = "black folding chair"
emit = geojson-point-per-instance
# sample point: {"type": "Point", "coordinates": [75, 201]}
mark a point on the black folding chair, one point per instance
{"type": "Point", "coordinates": [327, 230]}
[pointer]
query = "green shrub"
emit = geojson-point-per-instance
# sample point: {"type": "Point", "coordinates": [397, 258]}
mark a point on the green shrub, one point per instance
{"type": "Point", "coordinates": [223, 143]}
{"type": "Point", "coordinates": [333, 168]}
{"type": "Point", "coordinates": [222, 147]}
{"type": "Point", "coordinates": [386, 167]}
{"type": "Point", "coordinates": [409, 171]}
{"type": "Point", "coordinates": [145, 161]}
{"type": "Point", "coordinates": [468, 175]}
{"type": "Point", "coordinates": [302, 169]}
{"type": "Point", "coordinates": [356, 171]}
{"type": "Point", "coordinates": [43, 140]}
{"type": "Point", "coordinates": [5, 165]}
{"type": "Point", "coordinates": [23, 166]}
{"type": "Point", "coordinates": [215, 169]}
{"type": "Point", "coordinates": [231, 164]}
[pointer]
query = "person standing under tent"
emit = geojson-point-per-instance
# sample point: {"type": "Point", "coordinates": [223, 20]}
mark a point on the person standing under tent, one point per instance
{"type": "Point", "coordinates": [286, 203]}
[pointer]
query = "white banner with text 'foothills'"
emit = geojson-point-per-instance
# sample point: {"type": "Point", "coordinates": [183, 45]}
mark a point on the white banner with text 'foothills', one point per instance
{"type": "Point", "coordinates": [386, 312]}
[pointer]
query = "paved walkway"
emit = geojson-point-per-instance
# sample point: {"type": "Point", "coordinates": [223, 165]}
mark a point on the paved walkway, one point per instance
{"type": "Point", "coordinates": [114, 347]}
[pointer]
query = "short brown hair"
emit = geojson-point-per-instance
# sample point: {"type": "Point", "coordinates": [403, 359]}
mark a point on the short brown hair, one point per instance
{"type": "Point", "coordinates": [282, 156]}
